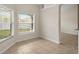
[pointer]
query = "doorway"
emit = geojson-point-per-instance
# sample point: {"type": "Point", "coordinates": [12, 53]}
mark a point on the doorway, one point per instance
{"type": "Point", "coordinates": [68, 25]}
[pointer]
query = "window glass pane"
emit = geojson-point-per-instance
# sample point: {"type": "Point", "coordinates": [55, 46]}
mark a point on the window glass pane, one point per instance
{"type": "Point", "coordinates": [25, 23]}
{"type": "Point", "coordinates": [5, 20]}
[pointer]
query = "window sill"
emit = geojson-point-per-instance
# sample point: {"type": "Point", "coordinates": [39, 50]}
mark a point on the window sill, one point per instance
{"type": "Point", "coordinates": [25, 33]}
{"type": "Point", "coordinates": [2, 40]}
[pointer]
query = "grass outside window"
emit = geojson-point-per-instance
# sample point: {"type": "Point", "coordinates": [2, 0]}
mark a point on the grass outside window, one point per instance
{"type": "Point", "coordinates": [4, 33]}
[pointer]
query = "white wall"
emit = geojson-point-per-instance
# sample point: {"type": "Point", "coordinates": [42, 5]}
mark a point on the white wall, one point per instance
{"type": "Point", "coordinates": [49, 23]}
{"type": "Point", "coordinates": [32, 9]}
{"type": "Point", "coordinates": [69, 19]}
{"type": "Point", "coordinates": [49, 5]}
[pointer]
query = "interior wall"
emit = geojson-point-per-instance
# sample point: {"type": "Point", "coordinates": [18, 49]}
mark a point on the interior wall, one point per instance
{"type": "Point", "coordinates": [49, 5]}
{"type": "Point", "coordinates": [49, 23]}
{"type": "Point", "coordinates": [69, 19]}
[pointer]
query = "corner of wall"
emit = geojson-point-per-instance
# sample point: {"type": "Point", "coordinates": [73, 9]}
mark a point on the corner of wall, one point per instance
{"type": "Point", "coordinates": [50, 39]}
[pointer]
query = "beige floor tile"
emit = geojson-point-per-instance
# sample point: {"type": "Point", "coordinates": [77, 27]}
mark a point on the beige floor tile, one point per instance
{"type": "Point", "coordinates": [42, 46]}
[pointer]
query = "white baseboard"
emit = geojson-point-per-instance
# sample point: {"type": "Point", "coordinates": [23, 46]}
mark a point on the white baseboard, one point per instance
{"type": "Point", "coordinates": [6, 47]}
{"type": "Point", "coordinates": [50, 39]}
{"type": "Point", "coordinates": [73, 33]}
{"type": "Point", "coordinates": [27, 37]}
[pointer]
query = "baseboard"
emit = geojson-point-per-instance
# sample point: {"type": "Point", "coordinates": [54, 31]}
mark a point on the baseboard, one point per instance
{"type": "Point", "coordinates": [7, 47]}
{"type": "Point", "coordinates": [50, 39]}
{"type": "Point", "coordinates": [27, 37]}
{"type": "Point", "coordinates": [72, 33]}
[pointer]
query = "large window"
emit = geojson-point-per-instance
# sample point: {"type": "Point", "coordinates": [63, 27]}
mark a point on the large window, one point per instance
{"type": "Point", "coordinates": [25, 23]}
{"type": "Point", "coordinates": [5, 23]}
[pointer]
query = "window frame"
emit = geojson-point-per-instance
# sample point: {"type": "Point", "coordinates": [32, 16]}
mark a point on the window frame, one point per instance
{"type": "Point", "coordinates": [11, 23]}
{"type": "Point", "coordinates": [32, 24]}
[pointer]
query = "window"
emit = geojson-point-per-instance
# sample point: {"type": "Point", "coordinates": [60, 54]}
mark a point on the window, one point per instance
{"type": "Point", "coordinates": [5, 23]}
{"type": "Point", "coordinates": [25, 23]}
